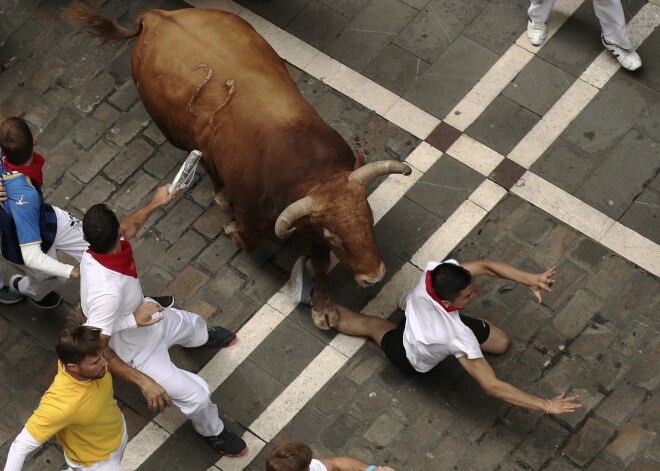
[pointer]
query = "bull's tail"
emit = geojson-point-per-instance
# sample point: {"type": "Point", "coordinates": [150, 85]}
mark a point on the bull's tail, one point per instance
{"type": "Point", "coordinates": [103, 28]}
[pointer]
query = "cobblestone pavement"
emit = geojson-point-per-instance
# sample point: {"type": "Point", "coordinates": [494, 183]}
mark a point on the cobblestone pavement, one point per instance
{"type": "Point", "coordinates": [533, 156]}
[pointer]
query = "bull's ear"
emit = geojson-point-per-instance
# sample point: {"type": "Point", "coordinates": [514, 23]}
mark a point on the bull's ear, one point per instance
{"type": "Point", "coordinates": [359, 159]}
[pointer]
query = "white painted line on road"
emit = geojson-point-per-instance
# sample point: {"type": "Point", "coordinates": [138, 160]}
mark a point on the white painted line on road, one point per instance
{"type": "Point", "coordinates": [143, 445]}
{"type": "Point", "coordinates": [488, 88]}
{"type": "Point", "coordinates": [580, 93]}
{"type": "Point", "coordinates": [450, 234]}
{"type": "Point", "coordinates": [409, 117]}
{"type": "Point", "coordinates": [475, 155]}
{"type": "Point", "coordinates": [254, 444]}
{"type": "Point", "coordinates": [562, 205]}
{"type": "Point", "coordinates": [636, 248]}
{"type": "Point", "coordinates": [553, 123]}
{"type": "Point", "coordinates": [505, 70]}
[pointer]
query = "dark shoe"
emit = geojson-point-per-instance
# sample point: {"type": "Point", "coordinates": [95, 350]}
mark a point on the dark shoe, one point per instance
{"type": "Point", "coordinates": [50, 301]}
{"type": "Point", "coordinates": [9, 296]}
{"type": "Point", "coordinates": [219, 337]}
{"type": "Point", "coordinates": [164, 301]}
{"type": "Point", "coordinates": [228, 443]}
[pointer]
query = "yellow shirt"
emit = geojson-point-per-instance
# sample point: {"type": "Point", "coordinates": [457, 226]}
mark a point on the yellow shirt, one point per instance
{"type": "Point", "coordinates": [84, 416]}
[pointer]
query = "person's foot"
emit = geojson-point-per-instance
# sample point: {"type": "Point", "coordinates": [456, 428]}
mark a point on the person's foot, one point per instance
{"type": "Point", "coordinates": [219, 337]}
{"type": "Point", "coordinates": [10, 296]}
{"type": "Point", "coordinates": [536, 32]}
{"type": "Point", "coordinates": [164, 301]}
{"type": "Point", "coordinates": [50, 301]}
{"type": "Point", "coordinates": [228, 443]}
{"type": "Point", "coordinates": [628, 58]}
{"type": "Point", "coordinates": [301, 282]}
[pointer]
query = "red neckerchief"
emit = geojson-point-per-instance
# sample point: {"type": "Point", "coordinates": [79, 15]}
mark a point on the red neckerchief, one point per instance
{"type": "Point", "coordinates": [434, 295]}
{"type": "Point", "coordinates": [33, 171]}
{"type": "Point", "coordinates": [121, 262]}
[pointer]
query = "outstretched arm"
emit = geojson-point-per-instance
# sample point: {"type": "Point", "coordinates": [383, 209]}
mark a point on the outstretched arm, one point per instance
{"type": "Point", "coordinates": [480, 370]}
{"type": "Point", "coordinates": [344, 463]}
{"type": "Point", "coordinates": [156, 396]}
{"type": "Point", "coordinates": [537, 283]}
{"type": "Point", "coordinates": [23, 445]}
{"type": "Point", "coordinates": [131, 224]}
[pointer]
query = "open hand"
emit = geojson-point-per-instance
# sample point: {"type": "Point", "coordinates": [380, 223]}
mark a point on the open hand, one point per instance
{"type": "Point", "coordinates": [155, 394]}
{"type": "Point", "coordinates": [542, 282]}
{"type": "Point", "coordinates": [562, 404]}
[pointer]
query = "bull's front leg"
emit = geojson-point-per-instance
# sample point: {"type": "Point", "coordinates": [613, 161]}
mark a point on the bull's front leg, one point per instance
{"type": "Point", "coordinates": [324, 311]}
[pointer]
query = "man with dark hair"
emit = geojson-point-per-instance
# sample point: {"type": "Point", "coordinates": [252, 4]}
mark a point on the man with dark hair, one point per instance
{"type": "Point", "coordinates": [110, 292]}
{"type": "Point", "coordinates": [31, 231]}
{"type": "Point", "coordinates": [433, 328]}
{"type": "Point", "coordinates": [297, 456]}
{"type": "Point", "coordinates": [79, 408]}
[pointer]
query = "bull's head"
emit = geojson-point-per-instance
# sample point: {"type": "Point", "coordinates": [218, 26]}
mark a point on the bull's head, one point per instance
{"type": "Point", "coordinates": [339, 212]}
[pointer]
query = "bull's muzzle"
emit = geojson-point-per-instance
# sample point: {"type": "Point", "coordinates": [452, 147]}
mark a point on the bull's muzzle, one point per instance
{"type": "Point", "coordinates": [368, 280]}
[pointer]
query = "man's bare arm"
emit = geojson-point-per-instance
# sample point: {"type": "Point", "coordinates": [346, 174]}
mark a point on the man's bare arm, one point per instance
{"type": "Point", "coordinates": [132, 224]}
{"type": "Point", "coordinates": [480, 370]}
{"type": "Point", "coordinates": [536, 282]}
{"type": "Point", "coordinates": [344, 463]}
{"type": "Point", "coordinates": [156, 396]}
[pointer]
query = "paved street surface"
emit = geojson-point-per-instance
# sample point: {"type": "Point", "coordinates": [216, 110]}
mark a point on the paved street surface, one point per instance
{"type": "Point", "coordinates": [533, 156]}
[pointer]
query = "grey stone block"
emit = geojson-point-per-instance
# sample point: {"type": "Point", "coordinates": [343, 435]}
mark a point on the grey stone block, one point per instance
{"type": "Point", "coordinates": [619, 405]}
{"type": "Point", "coordinates": [94, 128]}
{"type": "Point", "coordinates": [395, 69]}
{"type": "Point", "coordinates": [544, 441]}
{"type": "Point", "coordinates": [586, 444]}
{"type": "Point", "coordinates": [317, 24]}
{"type": "Point", "coordinates": [125, 95]}
{"type": "Point", "coordinates": [95, 91]}
{"type": "Point", "coordinates": [643, 215]}
{"type": "Point", "coordinates": [383, 430]}
{"type": "Point", "coordinates": [498, 25]}
{"type": "Point", "coordinates": [444, 187]}
{"type": "Point", "coordinates": [95, 159]}
{"type": "Point", "coordinates": [186, 247]}
{"type": "Point", "coordinates": [573, 317]}
{"type": "Point", "coordinates": [130, 125]}
{"type": "Point", "coordinates": [611, 195]}
{"type": "Point", "coordinates": [218, 254]}
{"type": "Point", "coordinates": [128, 160]}
{"type": "Point", "coordinates": [452, 75]}
{"type": "Point", "coordinates": [97, 191]}
{"type": "Point", "coordinates": [502, 125]}
{"type": "Point", "coordinates": [592, 341]}
{"type": "Point", "coordinates": [539, 85]}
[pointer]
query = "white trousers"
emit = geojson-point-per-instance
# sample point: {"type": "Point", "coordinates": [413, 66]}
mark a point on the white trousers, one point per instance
{"type": "Point", "coordinates": [69, 239]}
{"type": "Point", "coordinates": [113, 463]}
{"type": "Point", "coordinates": [609, 13]}
{"type": "Point", "coordinates": [188, 392]}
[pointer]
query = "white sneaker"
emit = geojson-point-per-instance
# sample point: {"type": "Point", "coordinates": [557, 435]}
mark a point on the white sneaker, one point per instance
{"type": "Point", "coordinates": [628, 58]}
{"type": "Point", "coordinates": [301, 284]}
{"type": "Point", "coordinates": [536, 32]}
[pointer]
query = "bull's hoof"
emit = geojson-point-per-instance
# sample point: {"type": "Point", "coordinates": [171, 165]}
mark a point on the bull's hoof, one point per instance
{"type": "Point", "coordinates": [325, 320]}
{"type": "Point", "coordinates": [231, 229]}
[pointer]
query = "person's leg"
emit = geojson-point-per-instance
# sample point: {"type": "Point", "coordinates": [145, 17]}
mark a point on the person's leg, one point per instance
{"type": "Point", "coordinates": [184, 328]}
{"type": "Point", "coordinates": [188, 392]}
{"type": "Point", "coordinates": [352, 323]}
{"type": "Point", "coordinates": [613, 22]}
{"type": "Point", "coordinates": [491, 338]}
{"type": "Point", "coordinates": [497, 342]}
{"type": "Point", "coordinates": [539, 10]}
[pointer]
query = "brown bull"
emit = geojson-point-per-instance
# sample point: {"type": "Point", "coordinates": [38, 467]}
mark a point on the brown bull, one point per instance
{"type": "Point", "coordinates": [211, 82]}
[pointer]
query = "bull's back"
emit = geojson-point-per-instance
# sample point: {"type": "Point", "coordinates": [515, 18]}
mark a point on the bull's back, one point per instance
{"type": "Point", "coordinates": [182, 64]}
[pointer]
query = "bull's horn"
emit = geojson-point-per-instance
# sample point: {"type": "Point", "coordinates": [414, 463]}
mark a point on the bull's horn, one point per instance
{"type": "Point", "coordinates": [293, 212]}
{"type": "Point", "coordinates": [372, 170]}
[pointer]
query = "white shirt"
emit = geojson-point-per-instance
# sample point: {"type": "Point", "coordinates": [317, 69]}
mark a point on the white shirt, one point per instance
{"type": "Point", "coordinates": [432, 333]}
{"type": "Point", "coordinates": [108, 300]}
{"type": "Point", "coordinates": [316, 465]}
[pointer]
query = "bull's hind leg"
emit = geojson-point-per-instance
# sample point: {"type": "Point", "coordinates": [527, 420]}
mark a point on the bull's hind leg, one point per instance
{"type": "Point", "coordinates": [242, 236]}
